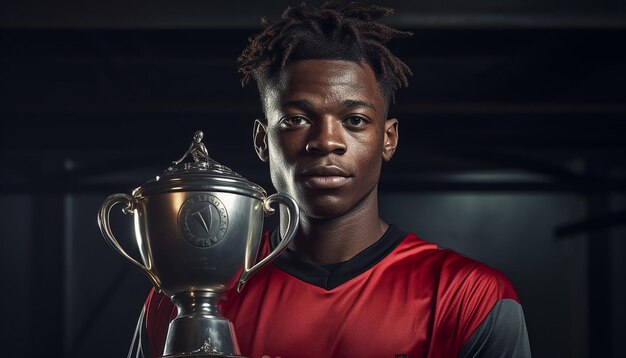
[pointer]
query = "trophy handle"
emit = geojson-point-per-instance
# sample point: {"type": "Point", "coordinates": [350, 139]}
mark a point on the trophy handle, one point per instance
{"type": "Point", "coordinates": [293, 215]}
{"type": "Point", "coordinates": [105, 228]}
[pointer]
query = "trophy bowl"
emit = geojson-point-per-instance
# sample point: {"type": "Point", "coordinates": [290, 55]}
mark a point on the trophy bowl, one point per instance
{"type": "Point", "coordinates": [198, 228]}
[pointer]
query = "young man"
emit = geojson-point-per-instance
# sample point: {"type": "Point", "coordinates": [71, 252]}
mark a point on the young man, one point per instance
{"type": "Point", "coordinates": [350, 285]}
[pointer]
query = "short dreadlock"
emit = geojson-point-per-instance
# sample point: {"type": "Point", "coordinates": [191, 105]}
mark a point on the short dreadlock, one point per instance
{"type": "Point", "coordinates": [332, 32]}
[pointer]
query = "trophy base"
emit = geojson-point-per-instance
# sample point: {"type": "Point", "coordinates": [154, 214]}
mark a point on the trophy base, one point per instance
{"type": "Point", "coordinates": [203, 355]}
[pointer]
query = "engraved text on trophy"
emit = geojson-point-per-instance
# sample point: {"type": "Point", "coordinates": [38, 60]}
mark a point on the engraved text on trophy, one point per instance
{"type": "Point", "coordinates": [203, 220]}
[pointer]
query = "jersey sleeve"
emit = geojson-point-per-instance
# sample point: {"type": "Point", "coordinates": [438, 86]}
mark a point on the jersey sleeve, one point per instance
{"type": "Point", "coordinates": [480, 311]}
{"type": "Point", "coordinates": [501, 334]}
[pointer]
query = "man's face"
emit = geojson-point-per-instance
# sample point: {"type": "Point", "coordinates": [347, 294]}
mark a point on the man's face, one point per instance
{"type": "Point", "coordinates": [326, 135]}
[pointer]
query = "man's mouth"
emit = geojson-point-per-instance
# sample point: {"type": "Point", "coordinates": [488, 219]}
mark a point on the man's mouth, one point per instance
{"type": "Point", "coordinates": [324, 177]}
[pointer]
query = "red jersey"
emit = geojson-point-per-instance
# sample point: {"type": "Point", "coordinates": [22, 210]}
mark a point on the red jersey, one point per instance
{"type": "Point", "coordinates": [400, 297]}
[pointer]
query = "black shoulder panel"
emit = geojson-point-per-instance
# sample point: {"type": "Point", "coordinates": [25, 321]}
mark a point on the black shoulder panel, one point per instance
{"type": "Point", "coordinates": [502, 334]}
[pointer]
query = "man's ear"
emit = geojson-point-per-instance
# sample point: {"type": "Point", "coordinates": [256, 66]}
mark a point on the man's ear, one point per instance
{"type": "Point", "coordinates": [259, 136]}
{"type": "Point", "coordinates": [390, 138]}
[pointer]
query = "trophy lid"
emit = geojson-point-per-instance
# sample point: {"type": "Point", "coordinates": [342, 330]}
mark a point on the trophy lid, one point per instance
{"type": "Point", "coordinates": [201, 174]}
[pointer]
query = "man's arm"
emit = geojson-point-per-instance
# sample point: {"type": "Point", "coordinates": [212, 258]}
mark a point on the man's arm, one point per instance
{"type": "Point", "coordinates": [501, 334]}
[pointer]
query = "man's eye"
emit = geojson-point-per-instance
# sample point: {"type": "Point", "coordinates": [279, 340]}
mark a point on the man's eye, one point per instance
{"type": "Point", "coordinates": [294, 121]}
{"type": "Point", "coordinates": [354, 121]}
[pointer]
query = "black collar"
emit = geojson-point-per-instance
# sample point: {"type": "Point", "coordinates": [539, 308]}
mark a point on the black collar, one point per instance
{"type": "Point", "coordinates": [326, 278]}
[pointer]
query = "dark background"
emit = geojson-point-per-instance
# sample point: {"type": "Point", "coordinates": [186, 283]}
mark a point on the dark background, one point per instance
{"type": "Point", "coordinates": [512, 151]}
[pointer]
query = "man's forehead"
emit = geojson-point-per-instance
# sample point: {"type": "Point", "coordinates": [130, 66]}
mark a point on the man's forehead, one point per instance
{"type": "Point", "coordinates": [346, 103]}
{"type": "Point", "coordinates": [308, 77]}
{"type": "Point", "coordinates": [301, 80]}
{"type": "Point", "coordinates": [340, 72]}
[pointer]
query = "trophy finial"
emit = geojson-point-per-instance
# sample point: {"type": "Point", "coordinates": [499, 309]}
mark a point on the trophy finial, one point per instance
{"type": "Point", "coordinates": [197, 150]}
{"type": "Point", "coordinates": [197, 137]}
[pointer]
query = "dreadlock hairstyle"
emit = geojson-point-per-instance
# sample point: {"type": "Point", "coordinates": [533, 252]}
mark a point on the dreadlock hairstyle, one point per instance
{"type": "Point", "coordinates": [332, 32]}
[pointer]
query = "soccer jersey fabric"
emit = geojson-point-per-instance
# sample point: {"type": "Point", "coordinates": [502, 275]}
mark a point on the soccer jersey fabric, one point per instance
{"type": "Point", "coordinates": [399, 298]}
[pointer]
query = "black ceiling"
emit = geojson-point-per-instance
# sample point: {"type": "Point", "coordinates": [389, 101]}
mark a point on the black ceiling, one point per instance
{"type": "Point", "coordinates": [546, 104]}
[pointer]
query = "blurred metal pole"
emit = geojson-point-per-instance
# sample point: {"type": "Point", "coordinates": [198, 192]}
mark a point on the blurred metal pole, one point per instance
{"type": "Point", "coordinates": [68, 272]}
{"type": "Point", "coordinates": [47, 279]}
{"type": "Point", "coordinates": [600, 333]}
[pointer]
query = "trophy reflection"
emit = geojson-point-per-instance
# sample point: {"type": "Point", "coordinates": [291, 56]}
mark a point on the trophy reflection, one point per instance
{"type": "Point", "coordinates": [198, 228]}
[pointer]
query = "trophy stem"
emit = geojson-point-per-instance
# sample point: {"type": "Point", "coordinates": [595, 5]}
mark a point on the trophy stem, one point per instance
{"type": "Point", "coordinates": [199, 330]}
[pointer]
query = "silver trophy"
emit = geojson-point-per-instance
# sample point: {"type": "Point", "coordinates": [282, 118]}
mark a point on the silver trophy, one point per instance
{"type": "Point", "coordinates": [198, 228]}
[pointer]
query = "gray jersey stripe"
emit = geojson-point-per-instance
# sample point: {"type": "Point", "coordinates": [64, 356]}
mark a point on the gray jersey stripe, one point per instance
{"type": "Point", "coordinates": [502, 334]}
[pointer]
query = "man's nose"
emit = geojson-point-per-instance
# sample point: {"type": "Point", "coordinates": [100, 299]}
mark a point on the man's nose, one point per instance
{"type": "Point", "coordinates": [326, 136]}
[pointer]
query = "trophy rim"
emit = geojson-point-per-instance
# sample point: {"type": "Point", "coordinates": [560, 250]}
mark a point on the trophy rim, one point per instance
{"type": "Point", "coordinates": [199, 182]}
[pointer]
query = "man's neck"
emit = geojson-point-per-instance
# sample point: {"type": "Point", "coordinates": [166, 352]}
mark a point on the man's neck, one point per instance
{"type": "Point", "coordinates": [327, 241]}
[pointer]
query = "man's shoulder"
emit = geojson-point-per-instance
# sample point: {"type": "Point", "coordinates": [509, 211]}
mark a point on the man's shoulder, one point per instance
{"type": "Point", "coordinates": [455, 271]}
{"type": "Point", "coordinates": [475, 301]}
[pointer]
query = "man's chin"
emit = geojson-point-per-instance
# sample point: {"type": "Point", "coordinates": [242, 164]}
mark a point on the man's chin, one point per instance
{"type": "Point", "coordinates": [324, 208]}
